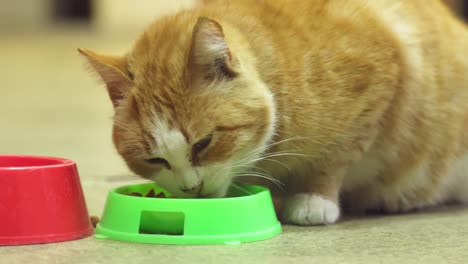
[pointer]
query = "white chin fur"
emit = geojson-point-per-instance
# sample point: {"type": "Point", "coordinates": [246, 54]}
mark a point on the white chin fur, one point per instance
{"type": "Point", "coordinates": [216, 191]}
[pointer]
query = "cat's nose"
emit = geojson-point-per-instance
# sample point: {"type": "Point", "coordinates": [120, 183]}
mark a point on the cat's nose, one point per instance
{"type": "Point", "coordinates": [192, 190]}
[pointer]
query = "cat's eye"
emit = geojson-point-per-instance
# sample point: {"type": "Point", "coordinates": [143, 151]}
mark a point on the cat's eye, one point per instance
{"type": "Point", "coordinates": [159, 161]}
{"type": "Point", "coordinates": [201, 145]}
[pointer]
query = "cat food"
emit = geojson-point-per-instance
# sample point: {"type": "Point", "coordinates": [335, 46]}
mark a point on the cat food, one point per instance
{"type": "Point", "coordinates": [94, 220]}
{"type": "Point", "coordinates": [160, 195]}
{"type": "Point", "coordinates": [151, 194]}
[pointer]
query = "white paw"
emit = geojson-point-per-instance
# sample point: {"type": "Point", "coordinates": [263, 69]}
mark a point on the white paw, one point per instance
{"type": "Point", "coordinates": [310, 209]}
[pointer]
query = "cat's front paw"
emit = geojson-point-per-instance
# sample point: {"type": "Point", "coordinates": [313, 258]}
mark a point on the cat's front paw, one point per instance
{"type": "Point", "coordinates": [310, 209]}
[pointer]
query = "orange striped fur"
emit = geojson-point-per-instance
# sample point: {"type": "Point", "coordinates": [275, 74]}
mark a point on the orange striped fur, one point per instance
{"type": "Point", "coordinates": [355, 104]}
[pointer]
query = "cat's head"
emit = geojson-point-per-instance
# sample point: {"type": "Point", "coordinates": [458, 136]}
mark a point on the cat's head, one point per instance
{"type": "Point", "coordinates": [190, 110]}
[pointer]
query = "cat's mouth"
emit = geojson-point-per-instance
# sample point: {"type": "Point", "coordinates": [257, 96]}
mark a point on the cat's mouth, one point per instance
{"type": "Point", "coordinates": [202, 194]}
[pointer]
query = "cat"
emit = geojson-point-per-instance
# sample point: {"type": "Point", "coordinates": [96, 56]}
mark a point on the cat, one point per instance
{"type": "Point", "coordinates": [335, 105]}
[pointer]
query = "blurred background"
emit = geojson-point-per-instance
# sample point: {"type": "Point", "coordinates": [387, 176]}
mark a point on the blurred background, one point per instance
{"type": "Point", "coordinates": [49, 104]}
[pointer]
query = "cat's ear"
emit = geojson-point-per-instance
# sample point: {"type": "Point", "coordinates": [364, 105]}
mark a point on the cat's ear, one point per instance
{"type": "Point", "coordinates": [209, 52]}
{"type": "Point", "coordinates": [113, 71]}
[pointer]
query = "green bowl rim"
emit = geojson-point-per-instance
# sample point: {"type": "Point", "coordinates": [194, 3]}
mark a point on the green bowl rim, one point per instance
{"type": "Point", "coordinates": [263, 233]}
{"type": "Point", "coordinates": [261, 190]}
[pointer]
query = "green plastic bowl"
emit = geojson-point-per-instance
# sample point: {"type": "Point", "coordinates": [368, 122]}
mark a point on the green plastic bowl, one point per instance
{"type": "Point", "coordinates": [244, 216]}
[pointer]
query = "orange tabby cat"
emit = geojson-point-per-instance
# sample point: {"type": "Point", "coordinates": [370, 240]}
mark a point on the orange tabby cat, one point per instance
{"type": "Point", "coordinates": [360, 103]}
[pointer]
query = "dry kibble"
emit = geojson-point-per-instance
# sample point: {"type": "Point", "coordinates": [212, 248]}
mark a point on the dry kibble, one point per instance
{"type": "Point", "coordinates": [161, 195]}
{"type": "Point", "coordinates": [94, 220]}
{"type": "Point", "coordinates": [151, 193]}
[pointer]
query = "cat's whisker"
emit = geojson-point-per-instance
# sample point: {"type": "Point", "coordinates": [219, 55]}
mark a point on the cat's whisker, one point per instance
{"type": "Point", "coordinates": [266, 159]}
{"type": "Point", "coordinates": [262, 149]}
{"type": "Point", "coordinates": [277, 182]}
{"type": "Point", "coordinates": [281, 163]}
{"type": "Point", "coordinates": [233, 184]}
{"type": "Point", "coordinates": [270, 145]}
{"type": "Point", "coordinates": [248, 164]}
{"type": "Point", "coordinates": [261, 176]}
{"type": "Point", "coordinates": [285, 154]}
{"type": "Point", "coordinates": [258, 174]}
{"type": "Point", "coordinates": [258, 168]}
{"type": "Point", "coordinates": [269, 155]}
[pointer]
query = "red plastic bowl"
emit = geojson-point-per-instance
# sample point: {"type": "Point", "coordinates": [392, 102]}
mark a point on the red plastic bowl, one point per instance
{"type": "Point", "coordinates": [41, 201]}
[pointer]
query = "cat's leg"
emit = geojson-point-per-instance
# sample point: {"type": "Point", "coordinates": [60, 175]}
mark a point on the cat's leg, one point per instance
{"type": "Point", "coordinates": [455, 188]}
{"type": "Point", "coordinates": [314, 201]}
{"type": "Point", "coordinates": [314, 195]}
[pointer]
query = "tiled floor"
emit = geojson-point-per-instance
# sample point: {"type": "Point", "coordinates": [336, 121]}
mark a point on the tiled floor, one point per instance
{"type": "Point", "coordinates": [49, 105]}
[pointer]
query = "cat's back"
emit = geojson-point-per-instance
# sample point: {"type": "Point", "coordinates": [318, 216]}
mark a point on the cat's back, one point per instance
{"type": "Point", "coordinates": [411, 21]}
{"type": "Point", "coordinates": [433, 42]}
